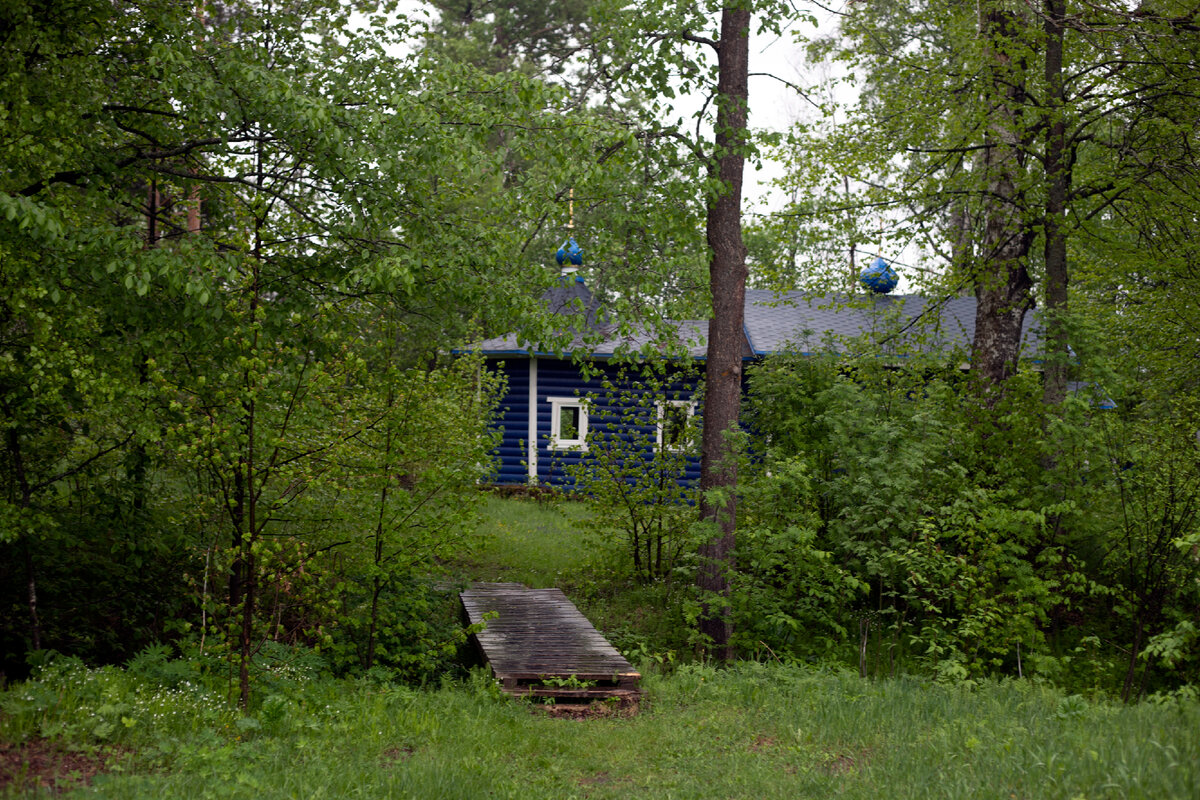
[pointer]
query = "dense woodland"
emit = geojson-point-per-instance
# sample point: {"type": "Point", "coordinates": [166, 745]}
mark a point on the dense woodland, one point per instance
{"type": "Point", "coordinates": [239, 241]}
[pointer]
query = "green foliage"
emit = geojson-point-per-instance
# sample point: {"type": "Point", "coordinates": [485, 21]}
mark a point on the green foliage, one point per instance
{"type": "Point", "coordinates": [642, 433]}
{"type": "Point", "coordinates": [969, 579]}
{"type": "Point", "coordinates": [928, 534]}
{"type": "Point", "coordinates": [237, 248]}
{"type": "Point", "coordinates": [67, 701]}
{"type": "Point", "coordinates": [789, 594]}
{"type": "Point", "coordinates": [1151, 565]}
{"type": "Point", "coordinates": [414, 628]}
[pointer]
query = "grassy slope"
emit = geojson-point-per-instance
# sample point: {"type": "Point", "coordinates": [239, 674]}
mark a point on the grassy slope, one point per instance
{"type": "Point", "coordinates": [537, 543]}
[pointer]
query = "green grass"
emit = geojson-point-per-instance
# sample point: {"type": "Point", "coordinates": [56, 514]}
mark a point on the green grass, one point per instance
{"type": "Point", "coordinates": [749, 732]}
{"type": "Point", "coordinates": [539, 543]}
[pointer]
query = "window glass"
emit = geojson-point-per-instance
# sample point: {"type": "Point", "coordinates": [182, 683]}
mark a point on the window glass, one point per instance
{"type": "Point", "coordinates": [568, 422]}
{"type": "Point", "coordinates": [673, 418]}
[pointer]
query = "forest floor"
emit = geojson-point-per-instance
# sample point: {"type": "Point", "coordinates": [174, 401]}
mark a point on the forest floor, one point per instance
{"type": "Point", "coordinates": [46, 765]}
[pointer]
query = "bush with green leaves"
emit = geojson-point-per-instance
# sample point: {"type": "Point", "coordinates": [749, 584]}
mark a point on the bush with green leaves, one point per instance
{"type": "Point", "coordinates": [642, 435]}
{"type": "Point", "coordinates": [1151, 563]}
{"type": "Point", "coordinates": [968, 539]}
{"type": "Point", "coordinates": [789, 591]}
{"type": "Point", "coordinates": [409, 503]}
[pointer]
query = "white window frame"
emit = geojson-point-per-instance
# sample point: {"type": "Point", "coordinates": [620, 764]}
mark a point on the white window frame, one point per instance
{"type": "Point", "coordinates": [690, 405]}
{"type": "Point", "coordinates": [557, 404]}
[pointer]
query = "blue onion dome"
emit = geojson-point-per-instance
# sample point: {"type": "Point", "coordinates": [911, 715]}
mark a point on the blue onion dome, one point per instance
{"type": "Point", "coordinates": [569, 251]}
{"type": "Point", "coordinates": [880, 278]}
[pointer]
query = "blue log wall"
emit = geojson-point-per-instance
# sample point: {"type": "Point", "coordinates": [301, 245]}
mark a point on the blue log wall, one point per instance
{"type": "Point", "coordinates": [562, 378]}
{"type": "Point", "coordinates": [513, 422]}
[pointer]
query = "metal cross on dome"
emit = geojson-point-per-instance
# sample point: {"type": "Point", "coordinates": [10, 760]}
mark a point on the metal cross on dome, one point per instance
{"type": "Point", "coordinates": [570, 251]}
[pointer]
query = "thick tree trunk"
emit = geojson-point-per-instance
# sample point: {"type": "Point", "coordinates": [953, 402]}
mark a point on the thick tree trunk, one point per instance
{"type": "Point", "coordinates": [1003, 295]}
{"type": "Point", "coordinates": [727, 278]}
{"type": "Point", "coordinates": [1002, 282]}
{"type": "Point", "coordinates": [1057, 180]}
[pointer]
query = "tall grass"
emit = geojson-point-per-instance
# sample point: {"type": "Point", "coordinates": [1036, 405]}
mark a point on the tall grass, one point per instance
{"type": "Point", "coordinates": [752, 731]}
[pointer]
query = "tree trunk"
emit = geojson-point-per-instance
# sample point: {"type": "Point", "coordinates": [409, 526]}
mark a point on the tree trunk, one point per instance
{"type": "Point", "coordinates": [1002, 282]}
{"type": "Point", "coordinates": [377, 581]}
{"type": "Point", "coordinates": [727, 279]}
{"type": "Point", "coordinates": [1057, 180]}
{"type": "Point", "coordinates": [250, 533]}
{"type": "Point", "coordinates": [1131, 664]}
{"type": "Point", "coordinates": [25, 502]}
{"type": "Point", "coordinates": [962, 246]}
{"type": "Point", "coordinates": [35, 624]}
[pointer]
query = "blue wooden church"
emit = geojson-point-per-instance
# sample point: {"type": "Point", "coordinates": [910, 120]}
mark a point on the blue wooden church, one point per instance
{"type": "Point", "coordinates": [551, 403]}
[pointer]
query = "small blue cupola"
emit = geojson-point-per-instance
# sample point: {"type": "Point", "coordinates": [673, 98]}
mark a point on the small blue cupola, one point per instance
{"type": "Point", "coordinates": [880, 278]}
{"type": "Point", "coordinates": [569, 253]}
{"type": "Point", "coordinates": [571, 295]}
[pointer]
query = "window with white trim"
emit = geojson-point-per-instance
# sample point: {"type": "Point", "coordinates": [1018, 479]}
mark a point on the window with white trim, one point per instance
{"type": "Point", "coordinates": [674, 417]}
{"type": "Point", "coordinates": [568, 423]}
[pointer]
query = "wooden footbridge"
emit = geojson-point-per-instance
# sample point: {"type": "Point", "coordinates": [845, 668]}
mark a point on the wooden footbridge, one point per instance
{"type": "Point", "coordinates": [539, 645]}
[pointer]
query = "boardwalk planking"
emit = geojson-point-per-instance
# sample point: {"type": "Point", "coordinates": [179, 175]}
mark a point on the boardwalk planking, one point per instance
{"type": "Point", "coordinates": [539, 635]}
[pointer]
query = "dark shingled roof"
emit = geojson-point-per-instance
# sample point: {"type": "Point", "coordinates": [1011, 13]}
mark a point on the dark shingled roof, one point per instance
{"type": "Point", "coordinates": [789, 322]}
{"type": "Point", "coordinates": [690, 330]}
{"type": "Point", "coordinates": [572, 296]}
{"type": "Point", "coordinates": [807, 323]}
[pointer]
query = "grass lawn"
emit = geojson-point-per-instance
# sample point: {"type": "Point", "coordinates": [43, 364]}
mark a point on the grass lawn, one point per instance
{"type": "Point", "coordinates": [539, 543]}
{"type": "Point", "coordinates": [753, 731]}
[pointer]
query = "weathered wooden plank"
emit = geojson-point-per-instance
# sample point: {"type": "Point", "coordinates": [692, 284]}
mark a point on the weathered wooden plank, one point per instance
{"type": "Point", "coordinates": [539, 634]}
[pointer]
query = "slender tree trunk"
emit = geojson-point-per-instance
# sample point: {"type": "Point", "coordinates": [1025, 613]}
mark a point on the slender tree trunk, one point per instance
{"type": "Point", "coordinates": [376, 591]}
{"type": "Point", "coordinates": [35, 624]}
{"type": "Point", "coordinates": [152, 214]}
{"type": "Point", "coordinates": [727, 278]}
{"type": "Point", "coordinates": [253, 490]}
{"type": "Point", "coordinates": [853, 282]}
{"type": "Point", "coordinates": [24, 502]}
{"type": "Point", "coordinates": [249, 571]}
{"type": "Point", "coordinates": [237, 515]}
{"type": "Point", "coordinates": [139, 458]}
{"type": "Point", "coordinates": [637, 551]}
{"type": "Point", "coordinates": [378, 580]}
{"type": "Point", "coordinates": [1057, 180]}
{"type": "Point", "coordinates": [1002, 282]}
{"type": "Point", "coordinates": [962, 246]}
{"type": "Point", "coordinates": [1131, 666]}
